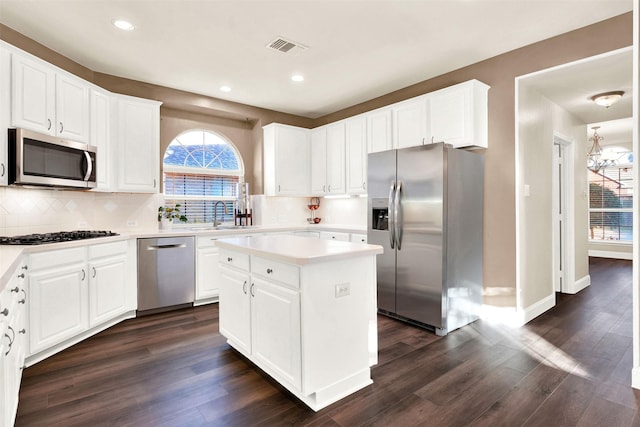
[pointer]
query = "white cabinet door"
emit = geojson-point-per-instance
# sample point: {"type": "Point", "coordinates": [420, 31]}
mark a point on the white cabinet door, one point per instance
{"type": "Point", "coordinates": [235, 308]}
{"type": "Point", "coordinates": [319, 161]}
{"type": "Point", "coordinates": [72, 108]}
{"type": "Point", "coordinates": [275, 320]}
{"type": "Point", "coordinates": [410, 123]}
{"type": "Point", "coordinates": [5, 112]}
{"type": "Point", "coordinates": [336, 158]}
{"type": "Point", "coordinates": [33, 95]}
{"type": "Point", "coordinates": [58, 305]}
{"type": "Point", "coordinates": [334, 235]}
{"type": "Point", "coordinates": [358, 238]}
{"type": "Point", "coordinates": [356, 149]}
{"type": "Point", "coordinates": [379, 136]}
{"type": "Point", "coordinates": [286, 160]}
{"type": "Point", "coordinates": [458, 114]}
{"type": "Point", "coordinates": [100, 136]}
{"type": "Point", "coordinates": [208, 273]}
{"type": "Point", "coordinates": [139, 144]}
{"type": "Point", "coordinates": [107, 289]}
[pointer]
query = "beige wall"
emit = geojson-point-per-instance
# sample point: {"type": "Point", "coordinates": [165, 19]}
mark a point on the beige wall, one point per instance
{"type": "Point", "coordinates": [498, 72]}
{"type": "Point", "coordinates": [539, 120]}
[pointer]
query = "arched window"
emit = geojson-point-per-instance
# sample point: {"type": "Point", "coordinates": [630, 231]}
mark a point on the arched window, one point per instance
{"type": "Point", "coordinates": [200, 168]}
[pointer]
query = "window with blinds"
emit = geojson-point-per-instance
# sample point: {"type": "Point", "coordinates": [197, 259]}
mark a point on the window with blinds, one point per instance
{"type": "Point", "coordinates": [611, 204]}
{"type": "Point", "coordinates": [201, 170]}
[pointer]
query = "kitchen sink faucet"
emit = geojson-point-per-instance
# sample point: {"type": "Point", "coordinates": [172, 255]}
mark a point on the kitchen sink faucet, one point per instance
{"type": "Point", "coordinates": [215, 212]}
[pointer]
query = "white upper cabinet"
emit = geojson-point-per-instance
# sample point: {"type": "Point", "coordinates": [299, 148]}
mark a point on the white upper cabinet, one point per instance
{"type": "Point", "coordinates": [49, 101]}
{"type": "Point", "coordinates": [286, 160]}
{"type": "Point", "coordinates": [410, 123]}
{"type": "Point", "coordinates": [138, 159]}
{"type": "Point", "coordinates": [379, 130]}
{"type": "Point", "coordinates": [319, 161]}
{"type": "Point", "coordinates": [5, 112]}
{"type": "Point", "coordinates": [101, 136]}
{"type": "Point", "coordinates": [457, 115]}
{"type": "Point", "coordinates": [356, 150]}
{"type": "Point", "coordinates": [336, 158]}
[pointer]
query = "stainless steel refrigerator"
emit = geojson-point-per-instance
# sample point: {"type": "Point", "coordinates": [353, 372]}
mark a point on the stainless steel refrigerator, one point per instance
{"type": "Point", "coordinates": [425, 208]}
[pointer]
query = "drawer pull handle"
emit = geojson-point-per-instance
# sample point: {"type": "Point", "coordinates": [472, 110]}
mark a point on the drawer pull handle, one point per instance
{"type": "Point", "coordinates": [269, 271]}
{"type": "Point", "coordinates": [49, 124]}
{"type": "Point", "coordinates": [21, 276]}
{"type": "Point", "coordinates": [244, 287]}
{"type": "Point", "coordinates": [229, 259]}
{"type": "Point", "coordinates": [5, 312]}
{"type": "Point", "coordinates": [84, 275]}
{"type": "Point", "coordinates": [16, 290]}
{"type": "Point", "coordinates": [251, 290]}
{"type": "Point", "coordinates": [11, 340]}
{"type": "Point", "coordinates": [94, 272]}
{"type": "Point", "coordinates": [23, 300]}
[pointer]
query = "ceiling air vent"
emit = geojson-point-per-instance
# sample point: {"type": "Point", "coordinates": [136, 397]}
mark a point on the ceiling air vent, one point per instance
{"type": "Point", "coordinates": [287, 46]}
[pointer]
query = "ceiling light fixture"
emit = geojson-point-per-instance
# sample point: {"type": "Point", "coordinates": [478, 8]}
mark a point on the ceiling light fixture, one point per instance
{"type": "Point", "coordinates": [595, 159]}
{"type": "Point", "coordinates": [123, 25]}
{"type": "Point", "coordinates": [225, 88]}
{"type": "Point", "coordinates": [607, 99]}
{"type": "Point", "coordinates": [297, 78]}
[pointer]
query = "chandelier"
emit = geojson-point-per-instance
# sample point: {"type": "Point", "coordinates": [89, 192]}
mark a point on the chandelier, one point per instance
{"type": "Point", "coordinates": [595, 159]}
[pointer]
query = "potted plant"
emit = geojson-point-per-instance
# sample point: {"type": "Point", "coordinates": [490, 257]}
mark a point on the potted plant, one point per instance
{"type": "Point", "coordinates": [167, 213]}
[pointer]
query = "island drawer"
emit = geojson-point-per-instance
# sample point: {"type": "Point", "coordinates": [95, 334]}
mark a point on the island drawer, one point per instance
{"type": "Point", "coordinates": [234, 259]}
{"type": "Point", "coordinates": [277, 271]}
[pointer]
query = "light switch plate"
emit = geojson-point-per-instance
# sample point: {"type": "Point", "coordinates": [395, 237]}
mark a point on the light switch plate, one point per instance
{"type": "Point", "coordinates": [342, 289]}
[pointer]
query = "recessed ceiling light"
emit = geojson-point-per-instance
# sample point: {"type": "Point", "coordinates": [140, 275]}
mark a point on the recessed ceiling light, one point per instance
{"type": "Point", "coordinates": [297, 78]}
{"type": "Point", "coordinates": [123, 25]}
{"type": "Point", "coordinates": [225, 88]}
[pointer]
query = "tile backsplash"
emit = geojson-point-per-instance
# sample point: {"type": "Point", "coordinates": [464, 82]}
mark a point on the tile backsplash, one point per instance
{"type": "Point", "coordinates": [30, 210]}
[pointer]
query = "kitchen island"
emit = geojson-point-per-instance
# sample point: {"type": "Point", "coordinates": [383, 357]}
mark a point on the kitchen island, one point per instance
{"type": "Point", "coordinates": [303, 310]}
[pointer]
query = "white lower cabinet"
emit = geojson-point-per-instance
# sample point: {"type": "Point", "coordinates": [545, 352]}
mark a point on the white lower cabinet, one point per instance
{"type": "Point", "coordinates": [13, 332]}
{"type": "Point", "coordinates": [77, 291]}
{"type": "Point", "coordinates": [335, 235]}
{"type": "Point", "coordinates": [262, 316]}
{"type": "Point", "coordinates": [207, 271]}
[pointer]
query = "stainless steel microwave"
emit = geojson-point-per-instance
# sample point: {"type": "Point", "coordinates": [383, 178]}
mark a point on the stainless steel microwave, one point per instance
{"type": "Point", "coordinates": [37, 159]}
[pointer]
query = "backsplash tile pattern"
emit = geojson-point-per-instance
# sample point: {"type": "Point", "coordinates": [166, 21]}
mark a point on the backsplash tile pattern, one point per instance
{"type": "Point", "coordinates": [30, 210]}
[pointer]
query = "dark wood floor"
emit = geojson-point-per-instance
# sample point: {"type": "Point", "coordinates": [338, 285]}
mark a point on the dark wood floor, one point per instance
{"type": "Point", "coordinates": [571, 366]}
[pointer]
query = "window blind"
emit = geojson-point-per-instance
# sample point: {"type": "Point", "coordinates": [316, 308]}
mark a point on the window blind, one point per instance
{"type": "Point", "coordinates": [610, 204]}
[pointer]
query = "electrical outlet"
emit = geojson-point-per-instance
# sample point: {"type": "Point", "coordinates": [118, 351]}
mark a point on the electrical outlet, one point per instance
{"type": "Point", "coordinates": [132, 223]}
{"type": "Point", "coordinates": [342, 289]}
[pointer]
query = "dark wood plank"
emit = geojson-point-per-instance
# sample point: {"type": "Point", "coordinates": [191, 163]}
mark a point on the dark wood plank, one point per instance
{"type": "Point", "coordinates": [570, 366]}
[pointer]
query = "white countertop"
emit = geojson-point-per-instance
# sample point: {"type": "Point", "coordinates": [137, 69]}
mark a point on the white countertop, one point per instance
{"type": "Point", "coordinates": [298, 249]}
{"type": "Point", "coordinates": [12, 256]}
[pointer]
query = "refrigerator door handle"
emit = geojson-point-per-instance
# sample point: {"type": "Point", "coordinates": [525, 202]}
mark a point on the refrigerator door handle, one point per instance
{"type": "Point", "coordinates": [391, 220]}
{"type": "Point", "coordinates": [398, 216]}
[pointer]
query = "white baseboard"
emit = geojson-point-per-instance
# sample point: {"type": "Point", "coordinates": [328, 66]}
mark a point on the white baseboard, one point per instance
{"type": "Point", "coordinates": [635, 377]}
{"type": "Point", "coordinates": [536, 309]}
{"type": "Point", "coordinates": [578, 285]}
{"type": "Point", "coordinates": [611, 254]}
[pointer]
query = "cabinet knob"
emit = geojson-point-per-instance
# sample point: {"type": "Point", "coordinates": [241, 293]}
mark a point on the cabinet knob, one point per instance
{"type": "Point", "coordinates": [22, 331]}
{"type": "Point", "coordinates": [269, 271]}
{"type": "Point", "coordinates": [21, 276]}
{"type": "Point", "coordinates": [16, 290]}
{"type": "Point", "coordinates": [5, 312]}
{"type": "Point", "coordinates": [25, 267]}
{"type": "Point", "coordinates": [229, 259]}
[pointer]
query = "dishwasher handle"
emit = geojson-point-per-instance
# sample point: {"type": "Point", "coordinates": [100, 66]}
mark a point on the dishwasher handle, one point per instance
{"type": "Point", "coordinates": [173, 246]}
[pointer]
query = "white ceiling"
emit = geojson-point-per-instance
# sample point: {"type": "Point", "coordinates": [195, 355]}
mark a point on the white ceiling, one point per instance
{"type": "Point", "coordinates": [572, 85]}
{"type": "Point", "coordinates": [357, 50]}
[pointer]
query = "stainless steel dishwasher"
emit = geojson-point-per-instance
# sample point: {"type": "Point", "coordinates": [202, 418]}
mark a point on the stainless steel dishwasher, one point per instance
{"type": "Point", "coordinates": [166, 274]}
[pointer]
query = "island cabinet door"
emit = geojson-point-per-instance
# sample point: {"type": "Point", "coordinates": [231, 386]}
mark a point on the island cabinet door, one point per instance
{"type": "Point", "coordinates": [235, 311]}
{"type": "Point", "coordinates": [275, 318]}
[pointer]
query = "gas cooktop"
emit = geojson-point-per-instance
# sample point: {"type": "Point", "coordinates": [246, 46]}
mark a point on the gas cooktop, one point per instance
{"type": "Point", "coordinates": [57, 237]}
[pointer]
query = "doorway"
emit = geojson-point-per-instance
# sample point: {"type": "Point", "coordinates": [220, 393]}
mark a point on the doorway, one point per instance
{"type": "Point", "coordinates": [562, 212]}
